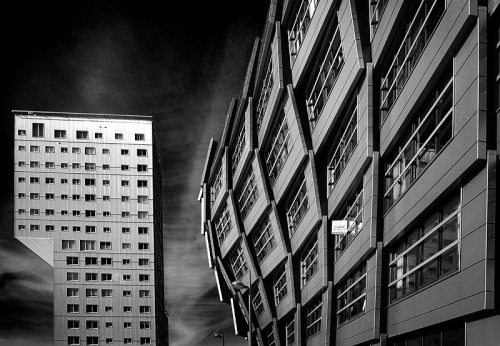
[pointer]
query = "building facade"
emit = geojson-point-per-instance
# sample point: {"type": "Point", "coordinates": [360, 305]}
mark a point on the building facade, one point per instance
{"type": "Point", "coordinates": [355, 176]}
{"type": "Point", "coordinates": [88, 202]}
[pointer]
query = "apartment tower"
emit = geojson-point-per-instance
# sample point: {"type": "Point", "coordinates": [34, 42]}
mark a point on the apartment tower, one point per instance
{"type": "Point", "coordinates": [353, 186]}
{"type": "Point", "coordinates": [88, 202]}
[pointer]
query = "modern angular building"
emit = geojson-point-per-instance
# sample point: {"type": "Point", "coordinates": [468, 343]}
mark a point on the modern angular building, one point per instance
{"type": "Point", "coordinates": [88, 202]}
{"type": "Point", "coordinates": [354, 179]}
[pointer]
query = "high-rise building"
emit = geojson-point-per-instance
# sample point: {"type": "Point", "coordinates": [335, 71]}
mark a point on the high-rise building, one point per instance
{"type": "Point", "coordinates": [88, 202]}
{"type": "Point", "coordinates": [355, 176]}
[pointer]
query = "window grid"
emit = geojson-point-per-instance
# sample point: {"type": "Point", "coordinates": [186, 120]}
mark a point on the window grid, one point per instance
{"type": "Point", "coordinates": [428, 136]}
{"type": "Point", "coordinates": [290, 329]}
{"type": "Point", "coordinates": [263, 239]}
{"type": "Point", "coordinates": [238, 149]}
{"type": "Point", "coordinates": [216, 186]}
{"type": "Point", "coordinates": [247, 194]}
{"type": "Point", "coordinates": [343, 150]}
{"type": "Point", "coordinates": [326, 76]}
{"type": "Point", "coordinates": [270, 337]}
{"type": "Point", "coordinates": [377, 8]}
{"type": "Point", "coordinates": [265, 94]}
{"type": "Point", "coordinates": [309, 260]}
{"type": "Point", "coordinates": [297, 33]}
{"type": "Point", "coordinates": [354, 216]}
{"type": "Point", "coordinates": [313, 319]}
{"type": "Point", "coordinates": [279, 285]}
{"type": "Point", "coordinates": [427, 253]}
{"type": "Point", "coordinates": [238, 263]}
{"type": "Point", "coordinates": [417, 35]}
{"type": "Point", "coordinates": [297, 208]}
{"type": "Point", "coordinates": [223, 225]}
{"type": "Point", "coordinates": [257, 302]}
{"type": "Point", "coordinates": [351, 296]}
{"type": "Point", "coordinates": [279, 149]}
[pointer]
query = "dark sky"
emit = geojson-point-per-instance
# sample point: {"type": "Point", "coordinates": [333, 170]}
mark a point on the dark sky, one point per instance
{"type": "Point", "coordinates": [179, 61]}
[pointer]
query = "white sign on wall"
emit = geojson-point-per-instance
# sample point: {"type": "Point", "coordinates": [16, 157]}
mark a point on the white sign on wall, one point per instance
{"type": "Point", "coordinates": [340, 227]}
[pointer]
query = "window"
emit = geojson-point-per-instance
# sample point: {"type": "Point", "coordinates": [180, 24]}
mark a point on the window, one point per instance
{"type": "Point", "coordinates": [105, 151]}
{"type": "Point", "coordinates": [238, 148]}
{"type": "Point", "coordinates": [145, 309]}
{"type": "Point", "coordinates": [127, 309]}
{"type": "Point", "coordinates": [109, 324]}
{"type": "Point", "coordinates": [351, 296]}
{"type": "Point", "coordinates": [118, 135]}
{"type": "Point", "coordinates": [64, 150]}
{"type": "Point", "coordinates": [64, 228]}
{"type": "Point", "coordinates": [22, 148]}
{"type": "Point", "coordinates": [265, 93]}
{"type": "Point", "coordinates": [72, 324]}
{"type": "Point", "coordinates": [403, 57]}
{"type": "Point", "coordinates": [143, 230]}
{"type": "Point", "coordinates": [108, 308]}
{"type": "Point", "coordinates": [49, 180]}
{"type": "Point", "coordinates": [21, 132]}
{"type": "Point", "coordinates": [124, 167]}
{"type": "Point", "coordinates": [313, 317]}
{"type": "Point", "coordinates": [76, 181]}
{"type": "Point", "coordinates": [428, 252]}
{"type": "Point", "coordinates": [247, 193]}
{"type": "Point", "coordinates": [127, 277]}
{"type": "Point", "coordinates": [142, 199]}
{"type": "Point", "coordinates": [73, 308]}
{"type": "Point", "coordinates": [127, 324]}
{"type": "Point", "coordinates": [106, 277]}
{"type": "Point", "coordinates": [70, 260]}
{"type": "Point", "coordinates": [105, 198]}
{"type": "Point", "coordinates": [21, 164]}
{"type": "Point", "coordinates": [38, 130]}
{"type": "Point", "coordinates": [89, 166]}
{"type": "Point", "coordinates": [89, 182]}
{"type": "Point", "coordinates": [91, 261]}
{"type": "Point", "coordinates": [270, 336]}
{"type": "Point", "coordinates": [142, 183]}
{"type": "Point", "coordinates": [125, 183]}
{"type": "Point", "coordinates": [144, 294]}
{"type": "Point", "coordinates": [144, 325]}
{"type": "Point", "coordinates": [64, 181]}
{"type": "Point", "coordinates": [91, 292]}
{"type": "Point", "coordinates": [64, 197]}
{"type": "Point", "coordinates": [290, 329]}
{"type": "Point", "coordinates": [34, 164]}
{"type": "Point", "coordinates": [82, 135]}
{"type": "Point", "coordinates": [105, 245]}
{"type": "Point", "coordinates": [298, 30]}
{"type": "Point", "coordinates": [76, 229]}
{"type": "Point", "coordinates": [105, 167]}
{"type": "Point", "coordinates": [49, 228]}
{"type": "Point", "coordinates": [449, 335]}
{"type": "Point", "coordinates": [142, 152]}
{"type": "Point", "coordinates": [125, 214]}
{"type": "Point", "coordinates": [21, 211]}
{"type": "Point", "coordinates": [106, 293]}
{"type": "Point", "coordinates": [90, 276]}
{"type": "Point", "coordinates": [73, 340]}
{"type": "Point", "coordinates": [257, 303]}
{"type": "Point", "coordinates": [34, 195]}
{"type": "Point", "coordinates": [325, 72]}
{"type": "Point", "coordinates": [98, 135]}
{"type": "Point", "coordinates": [92, 309]}
{"type": "Point", "coordinates": [49, 196]}
{"type": "Point", "coordinates": [125, 230]}
{"type": "Point", "coordinates": [92, 325]}
{"type": "Point", "coordinates": [72, 292]}
{"type": "Point", "coordinates": [309, 260]}
{"type": "Point", "coordinates": [352, 212]}
{"type": "Point", "coordinates": [87, 245]}
{"type": "Point", "coordinates": [89, 198]}
{"type": "Point", "coordinates": [297, 204]}
{"type": "Point", "coordinates": [69, 244]}
{"type": "Point", "coordinates": [49, 212]}
{"type": "Point", "coordinates": [143, 246]}
{"type": "Point", "coordinates": [223, 224]}
{"type": "Point", "coordinates": [34, 148]}
{"type": "Point", "coordinates": [49, 165]}
{"type": "Point", "coordinates": [89, 213]}
{"type": "Point", "coordinates": [70, 276]}
{"type": "Point", "coordinates": [429, 132]}
{"type": "Point", "coordinates": [75, 150]}
{"type": "Point", "coordinates": [343, 147]}
{"type": "Point", "coordinates": [279, 284]}
{"type": "Point", "coordinates": [105, 261]}
{"type": "Point", "coordinates": [22, 180]}
{"type": "Point", "coordinates": [143, 261]}
{"type": "Point", "coordinates": [145, 340]}
{"type": "Point", "coordinates": [139, 136]}
{"type": "Point", "coordinates": [263, 238]}
{"type": "Point", "coordinates": [105, 182]}
{"type": "Point", "coordinates": [377, 8]}
{"type": "Point", "coordinates": [75, 197]}
{"type": "Point", "coordinates": [50, 149]}
{"type": "Point", "coordinates": [143, 277]}
{"type": "Point", "coordinates": [238, 262]}
{"type": "Point", "coordinates": [142, 168]}
{"type": "Point", "coordinates": [59, 133]}
{"type": "Point", "coordinates": [126, 246]}
{"type": "Point", "coordinates": [35, 228]}
{"type": "Point", "coordinates": [142, 214]}
{"type": "Point", "coordinates": [127, 293]}
{"type": "Point", "coordinates": [279, 148]}
{"type": "Point", "coordinates": [35, 212]}
{"type": "Point", "coordinates": [106, 229]}
{"type": "Point", "coordinates": [125, 198]}
{"type": "Point", "coordinates": [21, 227]}
{"type": "Point", "coordinates": [124, 151]}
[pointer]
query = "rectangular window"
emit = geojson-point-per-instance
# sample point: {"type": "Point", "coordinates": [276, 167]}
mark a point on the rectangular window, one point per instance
{"type": "Point", "coordinates": [126, 230]}
{"type": "Point", "coordinates": [144, 325]}
{"type": "Point", "coordinates": [92, 309]}
{"type": "Point", "coordinates": [49, 165]}
{"type": "Point", "coordinates": [258, 305]}
{"type": "Point", "coordinates": [124, 151]}
{"type": "Point", "coordinates": [279, 147]}
{"type": "Point", "coordinates": [124, 167]}
{"type": "Point", "coordinates": [98, 135]}
{"type": "Point", "coordinates": [64, 150]}
{"type": "Point", "coordinates": [73, 308]}
{"type": "Point", "coordinates": [223, 224]}
{"type": "Point", "coordinates": [64, 181]}
{"type": "Point", "coordinates": [313, 317]}
{"type": "Point", "coordinates": [89, 182]}
{"type": "Point", "coordinates": [87, 245]}
{"type": "Point", "coordinates": [91, 261]}
{"type": "Point", "coordinates": [90, 276]}
{"type": "Point", "coordinates": [38, 130]}
{"type": "Point", "coordinates": [22, 148]}
{"type": "Point", "coordinates": [50, 149]}
{"type": "Point", "coordinates": [143, 277]}
{"type": "Point", "coordinates": [89, 198]}
{"type": "Point", "coordinates": [145, 309]}
{"type": "Point", "coordinates": [377, 8]}
{"type": "Point", "coordinates": [142, 168]}
{"type": "Point", "coordinates": [34, 164]}
{"type": "Point", "coordinates": [142, 214]}
{"type": "Point", "coordinates": [309, 260]}
{"type": "Point", "coordinates": [343, 146]}
{"type": "Point", "coordinates": [106, 229]}
{"type": "Point", "coordinates": [105, 198]}
{"type": "Point", "coordinates": [238, 148]}
{"type": "Point", "coordinates": [105, 245]}
{"type": "Point", "coordinates": [428, 252]}
{"type": "Point", "coordinates": [325, 72]}
{"type": "Point", "coordinates": [127, 325]}
{"type": "Point", "coordinates": [21, 132]}
{"type": "Point", "coordinates": [247, 193]}
{"type": "Point", "coordinates": [216, 186]}
{"type": "Point", "coordinates": [49, 196]}
{"type": "Point", "coordinates": [23, 195]}
{"type": "Point", "coordinates": [72, 276]}
{"type": "Point", "coordinates": [429, 132]}
{"type": "Point", "coordinates": [105, 182]}
{"type": "Point", "coordinates": [279, 284]}
{"type": "Point", "coordinates": [298, 30]}
{"type": "Point", "coordinates": [145, 340]}
{"type": "Point", "coordinates": [82, 135]}
{"type": "Point", "coordinates": [34, 148]}
{"type": "Point", "coordinates": [125, 214]}
{"type": "Point", "coordinates": [59, 133]}
{"type": "Point", "coordinates": [263, 238]}
{"type": "Point", "coordinates": [106, 277]}
{"type": "Point", "coordinates": [352, 212]}
{"type": "Point", "coordinates": [127, 277]}
{"type": "Point", "coordinates": [89, 166]}
{"type": "Point", "coordinates": [270, 336]}
{"type": "Point", "coordinates": [35, 212]}
{"type": "Point", "coordinates": [72, 324]}
{"type": "Point", "coordinates": [69, 244]}
{"type": "Point", "coordinates": [49, 212]}
{"type": "Point", "coordinates": [143, 230]}
{"type": "Point", "coordinates": [92, 325]}
{"type": "Point", "coordinates": [143, 261]}
{"type": "Point", "coordinates": [89, 213]}
{"type": "Point", "coordinates": [142, 152]}
{"type": "Point", "coordinates": [125, 198]}
{"type": "Point", "coordinates": [34, 195]}
{"type": "Point", "coordinates": [21, 164]}
{"type": "Point", "coordinates": [64, 197]}
{"type": "Point", "coordinates": [22, 180]}
{"type": "Point", "coordinates": [414, 35]}
{"type": "Point", "coordinates": [126, 246]}
{"type": "Point", "coordinates": [139, 136]}
{"type": "Point", "coordinates": [105, 261]}
{"type": "Point", "coordinates": [71, 260]}
{"type": "Point", "coordinates": [64, 228]}
{"type": "Point", "coordinates": [351, 296]}
{"type": "Point", "coordinates": [125, 183]}
{"type": "Point", "coordinates": [142, 199]}
{"type": "Point", "coordinates": [142, 183]}
{"type": "Point", "coordinates": [297, 204]}
{"type": "Point", "coordinates": [143, 246]}
{"type": "Point", "coordinates": [76, 181]}
{"type": "Point", "coordinates": [76, 229]}
{"type": "Point", "coordinates": [91, 292]}
{"type": "Point", "coordinates": [238, 262]}
{"type": "Point", "coordinates": [118, 135]}
{"type": "Point", "coordinates": [144, 293]}
{"type": "Point", "coordinates": [49, 180]}
{"type": "Point", "coordinates": [105, 151]}
{"type": "Point", "coordinates": [73, 340]}
{"type": "Point", "coordinates": [75, 150]}
{"type": "Point", "coordinates": [265, 93]}
{"type": "Point", "coordinates": [35, 228]}
{"type": "Point", "coordinates": [105, 167]}
{"type": "Point", "coordinates": [127, 293]}
{"type": "Point", "coordinates": [76, 197]}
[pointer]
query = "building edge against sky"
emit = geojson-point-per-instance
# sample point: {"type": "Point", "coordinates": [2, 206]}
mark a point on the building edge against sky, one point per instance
{"type": "Point", "coordinates": [355, 176]}
{"type": "Point", "coordinates": [88, 202]}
